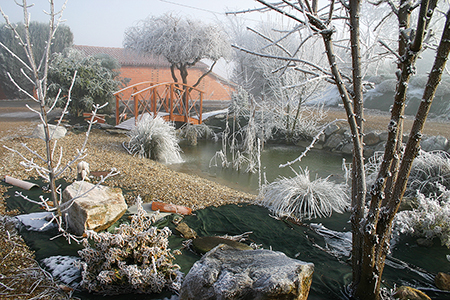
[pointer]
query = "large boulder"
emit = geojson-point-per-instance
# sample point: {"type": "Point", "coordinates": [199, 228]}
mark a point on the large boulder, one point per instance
{"type": "Point", "coordinates": [56, 132]}
{"type": "Point", "coordinates": [228, 273]}
{"type": "Point", "coordinates": [96, 210]}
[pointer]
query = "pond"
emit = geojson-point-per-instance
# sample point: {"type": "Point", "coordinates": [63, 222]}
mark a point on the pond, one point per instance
{"type": "Point", "coordinates": [325, 242]}
{"type": "Point", "coordinates": [198, 160]}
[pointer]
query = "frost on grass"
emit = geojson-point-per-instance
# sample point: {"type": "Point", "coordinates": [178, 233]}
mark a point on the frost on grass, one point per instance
{"type": "Point", "coordinates": [135, 259]}
{"type": "Point", "coordinates": [429, 220]}
{"type": "Point", "coordinates": [155, 139]}
{"type": "Point", "coordinates": [428, 170]}
{"type": "Point", "coordinates": [299, 197]}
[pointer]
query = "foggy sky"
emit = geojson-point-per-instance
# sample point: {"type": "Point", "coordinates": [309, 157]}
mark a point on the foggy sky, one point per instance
{"type": "Point", "coordinates": [103, 22]}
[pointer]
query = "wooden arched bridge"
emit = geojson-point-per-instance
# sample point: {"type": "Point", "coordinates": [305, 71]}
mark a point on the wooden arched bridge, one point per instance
{"type": "Point", "coordinates": [172, 101]}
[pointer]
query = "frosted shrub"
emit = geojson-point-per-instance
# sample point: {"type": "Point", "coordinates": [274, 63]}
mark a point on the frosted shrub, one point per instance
{"type": "Point", "coordinates": [299, 197]}
{"type": "Point", "coordinates": [192, 132]}
{"type": "Point", "coordinates": [155, 139]}
{"type": "Point", "coordinates": [428, 169]}
{"type": "Point", "coordinates": [134, 259]}
{"type": "Point", "coordinates": [431, 219]}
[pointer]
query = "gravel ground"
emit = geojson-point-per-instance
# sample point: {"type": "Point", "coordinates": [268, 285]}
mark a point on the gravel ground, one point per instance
{"type": "Point", "coordinates": [21, 277]}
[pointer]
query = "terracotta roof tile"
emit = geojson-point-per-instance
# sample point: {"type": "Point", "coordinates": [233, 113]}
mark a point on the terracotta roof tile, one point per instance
{"type": "Point", "coordinates": [124, 56]}
{"type": "Point", "coordinates": [132, 58]}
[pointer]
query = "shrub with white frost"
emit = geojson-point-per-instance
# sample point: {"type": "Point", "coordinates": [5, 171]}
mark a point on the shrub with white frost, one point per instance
{"type": "Point", "coordinates": [136, 259]}
{"type": "Point", "coordinates": [429, 171]}
{"type": "Point", "coordinates": [299, 197]}
{"type": "Point", "coordinates": [155, 139]}
{"type": "Point", "coordinates": [429, 220]}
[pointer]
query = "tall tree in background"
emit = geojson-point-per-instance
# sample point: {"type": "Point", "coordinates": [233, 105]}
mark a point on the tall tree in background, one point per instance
{"type": "Point", "coordinates": [39, 35]}
{"type": "Point", "coordinates": [373, 212]}
{"type": "Point", "coordinates": [182, 42]}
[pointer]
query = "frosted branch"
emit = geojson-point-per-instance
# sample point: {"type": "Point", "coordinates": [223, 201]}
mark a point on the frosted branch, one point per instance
{"type": "Point", "coordinates": [315, 139]}
{"type": "Point", "coordinates": [21, 89]}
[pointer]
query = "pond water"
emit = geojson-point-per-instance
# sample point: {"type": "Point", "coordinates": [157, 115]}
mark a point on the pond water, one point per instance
{"type": "Point", "coordinates": [325, 242]}
{"type": "Point", "coordinates": [198, 160]}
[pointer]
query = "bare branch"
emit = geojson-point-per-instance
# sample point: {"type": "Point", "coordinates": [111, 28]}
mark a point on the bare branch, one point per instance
{"type": "Point", "coordinates": [283, 58]}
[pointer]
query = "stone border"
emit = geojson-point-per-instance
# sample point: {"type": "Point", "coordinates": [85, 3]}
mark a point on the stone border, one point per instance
{"type": "Point", "coordinates": [338, 140]}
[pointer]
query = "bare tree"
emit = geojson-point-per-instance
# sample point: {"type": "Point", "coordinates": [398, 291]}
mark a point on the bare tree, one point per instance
{"type": "Point", "coordinates": [372, 221]}
{"type": "Point", "coordinates": [182, 42]}
{"type": "Point", "coordinates": [48, 165]}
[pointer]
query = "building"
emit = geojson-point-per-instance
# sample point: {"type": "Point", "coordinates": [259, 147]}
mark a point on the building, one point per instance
{"type": "Point", "coordinates": [138, 68]}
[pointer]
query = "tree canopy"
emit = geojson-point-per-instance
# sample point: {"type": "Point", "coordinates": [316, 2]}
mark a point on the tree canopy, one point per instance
{"type": "Point", "coordinates": [97, 79]}
{"type": "Point", "coordinates": [39, 35]}
{"type": "Point", "coordinates": [182, 42]}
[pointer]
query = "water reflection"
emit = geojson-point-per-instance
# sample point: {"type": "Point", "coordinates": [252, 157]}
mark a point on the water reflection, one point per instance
{"type": "Point", "coordinates": [198, 158]}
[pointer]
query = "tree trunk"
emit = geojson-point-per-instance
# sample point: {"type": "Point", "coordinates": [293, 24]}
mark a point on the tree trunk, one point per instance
{"type": "Point", "coordinates": [358, 174]}
{"type": "Point", "coordinates": [384, 204]}
{"type": "Point", "coordinates": [184, 74]}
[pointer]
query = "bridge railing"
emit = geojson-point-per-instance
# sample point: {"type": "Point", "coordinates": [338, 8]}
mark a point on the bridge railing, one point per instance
{"type": "Point", "coordinates": [172, 101]}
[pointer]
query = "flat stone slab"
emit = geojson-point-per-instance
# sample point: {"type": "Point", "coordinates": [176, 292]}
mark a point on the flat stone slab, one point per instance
{"type": "Point", "coordinates": [56, 132]}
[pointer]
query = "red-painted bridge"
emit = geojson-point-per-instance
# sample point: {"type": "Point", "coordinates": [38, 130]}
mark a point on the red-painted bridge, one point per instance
{"type": "Point", "coordinates": [172, 101]}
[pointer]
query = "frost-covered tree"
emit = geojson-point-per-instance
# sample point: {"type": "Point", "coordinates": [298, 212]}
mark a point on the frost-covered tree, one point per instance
{"type": "Point", "coordinates": [182, 42]}
{"type": "Point", "coordinates": [97, 79]}
{"type": "Point", "coordinates": [372, 221]}
{"type": "Point", "coordinates": [38, 34]}
{"type": "Point", "coordinates": [48, 165]}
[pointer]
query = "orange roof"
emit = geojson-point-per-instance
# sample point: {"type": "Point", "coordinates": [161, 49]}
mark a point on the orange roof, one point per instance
{"type": "Point", "coordinates": [129, 57]}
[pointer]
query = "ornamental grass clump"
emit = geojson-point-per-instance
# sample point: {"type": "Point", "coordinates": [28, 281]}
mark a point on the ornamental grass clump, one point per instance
{"type": "Point", "coordinates": [155, 139]}
{"type": "Point", "coordinates": [299, 197]}
{"type": "Point", "coordinates": [429, 220]}
{"type": "Point", "coordinates": [135, 259]}
{"type": "Point", "coordinates": [428, 169]}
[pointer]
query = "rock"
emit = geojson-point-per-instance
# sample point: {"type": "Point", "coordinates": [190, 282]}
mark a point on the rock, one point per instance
{"type": "Point", "coordinates": [206, 243]}
{"type": "Point", "coordinates": [442, 281]}
{"type": "Point", "coordinates": [96, 210]}
{"type": "Point", "coordinates": [105, 126]}
{"type": "Point", "coordinates": [368, 152]}
{"type": "Point", "coordinates": [434, 143]}
{"type": "Point", "coordinates": [227, 273]}
{"type": "Point", "coordinates": [333, 141]}
{"type": "Point", "coordinates": [384, 136]}
{"type": "Point", "coordinates": [348, 148]}
{"type": "Point", "coordinates": [332, 128]}
{"type": "Point", "coordinates": [56, 132]}
{"type": "Point", "coordinates": [409, 293]}
{"type": "Point", "coordinates": [371, 138]}
{"type": "Point", "coordinates": [186, 231]}
{"type": "Point", "coordinates": [380, 147]}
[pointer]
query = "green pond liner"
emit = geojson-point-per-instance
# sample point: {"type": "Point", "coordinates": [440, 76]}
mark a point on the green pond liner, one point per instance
{"type": "Point", "coordinates": [408, 264]}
